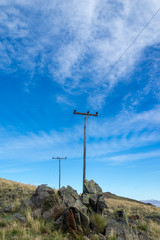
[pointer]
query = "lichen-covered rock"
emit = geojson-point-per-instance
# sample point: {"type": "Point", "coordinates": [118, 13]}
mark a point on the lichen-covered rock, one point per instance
{"type": "Point", "coordinates": [118, 226]}
{"type": "Point", "coordinates": [9, 208]}
{"type": "Point", "coordinates": [44, 198]}
{"type": "Point", "coordinates": [69, 196]}
{"type": "Point", "coordinates": [94, 202]}
{"type": "Point", "coordinates": [101, 204]}
{"type": "Point", "coordinates": [91, 187]}
{"type": "Point", "coordinates": [20, 217]}
{"type": "Point", "coordinates": [80, 206]}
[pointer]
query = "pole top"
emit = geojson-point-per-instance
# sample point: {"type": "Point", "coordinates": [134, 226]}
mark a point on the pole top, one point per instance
{"type": "Point", "coordinates": [59, 157]}
{"type": "Point", "coordinates": [86, 114]}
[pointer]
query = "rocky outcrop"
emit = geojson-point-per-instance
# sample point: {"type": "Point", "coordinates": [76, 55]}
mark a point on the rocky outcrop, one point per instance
{"type": "Point", "coordinates": [44, 198]}
{"type": "Point", "coordinates": [69, 196]}
{"type": "Point", "coordinates": [70, 211]}
{"type": "Point", "coordinates": [92, 197]}
{"type": "Point", "coordinates": [91, 187]}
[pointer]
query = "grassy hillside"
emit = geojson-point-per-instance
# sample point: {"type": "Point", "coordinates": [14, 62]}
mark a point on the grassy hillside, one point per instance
{"type": "Point", "coordinates": [12, 194]}
{"type": "Point", "coordinates": [141, 217]}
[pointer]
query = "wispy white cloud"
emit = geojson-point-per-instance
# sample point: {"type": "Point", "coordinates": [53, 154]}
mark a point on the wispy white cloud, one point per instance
{"type": "Point", "coordinates": [62, 99]}
{"type": "Point", "coordinates": [108, 139]}
{"type": "Point", "coordinates": [134, 157]}
{"type": "Point", "coordinates": [77, 40]}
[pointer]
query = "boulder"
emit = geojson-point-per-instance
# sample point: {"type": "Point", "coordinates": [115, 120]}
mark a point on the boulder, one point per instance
{"type": "Point", "coordinates": [75, 221]}
{"type": "Point", "coordinates": [94, 202]}
{"type": "Point", "coordinates": [101, 204]}
{"type": "Point", "coordinates": [20, 217]}
{"type": "Point", "coordinates": [92, 187]}
{"type": "Point", "coordinates": [59, 222]}
{"type": "Point", "coordinates": [37, 213]}
{"type": "Point", "coordinates": [47, 215]}
{"type": "Point", "coordinates": [69, 196]}
{"type": "Point", "coordinates": [80, 206]}
{"type": "Point", "coordinates": [44, 198]}
{"type": "Point", "coordinates": [9, 208]}
{"type": "Point", "coordinates": [118, 226]}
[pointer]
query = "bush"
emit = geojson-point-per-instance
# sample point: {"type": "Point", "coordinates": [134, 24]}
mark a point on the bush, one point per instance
{"type": "Point", "coordinates": [98, 222]}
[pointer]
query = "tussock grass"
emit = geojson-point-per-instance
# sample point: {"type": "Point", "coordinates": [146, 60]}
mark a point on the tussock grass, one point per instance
{"type": "Point", "coordinates": [98, 222]}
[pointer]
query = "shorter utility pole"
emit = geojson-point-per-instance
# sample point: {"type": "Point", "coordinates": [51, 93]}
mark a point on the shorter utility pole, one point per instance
{"type": "Point", "coordinates": [87, 114]}
{"type": "Point", "coordinates": [59, 158]}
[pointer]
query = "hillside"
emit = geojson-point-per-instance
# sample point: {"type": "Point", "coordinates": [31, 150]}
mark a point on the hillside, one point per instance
{"type": "Point", "coordinates": [122, 219]}
{"type": "Point", "coordinates": [114, 196]}
{"type": "Point", "coordinates": [153, 202]}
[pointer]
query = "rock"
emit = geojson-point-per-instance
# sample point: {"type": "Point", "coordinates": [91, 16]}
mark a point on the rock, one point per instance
{"type": "Point", "coordinates": [69, 196]}
{"type": "Point", "coordinates": [27, 203]}
{"type": "Point", "coordinates": [101, 205]}
{"type": "Point", "coordinates": [91, 187]}
{"type": "Point", "coordinates": [93, 199]}
{"type": "Point", "coordinates": [118, 226]}
{"type": "Point", "coordinates": [80, 206]}
{"type": "Point", "coordinates": [59, 222]}
{"type": "Point", "coordinates": [85, 199]}
{"type": "Point", "coordinates": [47, 215]}
{"type": "Point", "coordinates": [69, 222]}
{"type": "Point", "coordinates": [155, 218]}
{"type": "Point", "coordinates": [44, 197]}
{"type": "Point", "coordinates": [20, 217]}
{"type": "Point", "coordinates": [75, 221]}
{"type": "Point", "coordinates": [9, 208]}
{"type": "Point", "coordinates": [94, 202]}
{"type": "Point", "coordinates": [120, 216]}
{"type": "Point", "coordinates": [37, 213]}
{"type": "Point", "coordinates": [85, 221]}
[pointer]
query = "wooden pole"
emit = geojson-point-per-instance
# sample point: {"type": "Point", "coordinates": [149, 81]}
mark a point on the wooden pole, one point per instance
{"type": "Point", "coordinates": [59, 158]}
{"type": "Point", "coordinates": [84, 153]}
{"type": "Point", "coordinates": [87, 114]}
{"type": "Point", "coordinates": [59, 173]}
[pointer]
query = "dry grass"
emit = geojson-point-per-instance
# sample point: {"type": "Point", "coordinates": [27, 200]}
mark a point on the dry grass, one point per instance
{"type": "Point", "coordinates": [131, 208]}
{"type": "Point", "coordinates": [15, 185]}
{"type": "Point", "coordinates": [154, 229]}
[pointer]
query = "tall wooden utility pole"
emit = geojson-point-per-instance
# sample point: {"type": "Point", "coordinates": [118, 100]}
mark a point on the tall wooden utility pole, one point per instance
{"type": "Point", "coordinates": [59, 168]}
{"type": "Point", "coordinates": [84, 153]}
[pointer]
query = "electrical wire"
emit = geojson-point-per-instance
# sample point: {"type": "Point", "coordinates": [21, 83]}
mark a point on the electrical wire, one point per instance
{"type": "Point", "coordinates": [145, 26]}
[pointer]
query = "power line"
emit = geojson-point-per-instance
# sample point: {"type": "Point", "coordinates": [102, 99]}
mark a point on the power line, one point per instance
{"type": "Point", "coordinates": [145, 26]}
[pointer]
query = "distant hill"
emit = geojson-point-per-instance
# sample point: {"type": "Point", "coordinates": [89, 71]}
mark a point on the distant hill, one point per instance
{"type": "Point", "coordinates": [153, 202]}
{"type": "Point", "coordinates": [114, 196]}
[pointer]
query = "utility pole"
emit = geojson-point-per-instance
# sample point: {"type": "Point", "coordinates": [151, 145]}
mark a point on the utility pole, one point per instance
{"type": "Point", "coordinates": [87, 114]}
{"type": "Point", "coordinates": [59, 158]}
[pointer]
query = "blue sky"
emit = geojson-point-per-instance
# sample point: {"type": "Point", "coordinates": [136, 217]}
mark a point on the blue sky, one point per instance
{"type": "Point", "coordinates": [57, 56]}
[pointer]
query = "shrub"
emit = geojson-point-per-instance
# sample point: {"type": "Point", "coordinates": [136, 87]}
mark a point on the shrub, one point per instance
{"type": "Point", "coordinates": [98, 222]}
